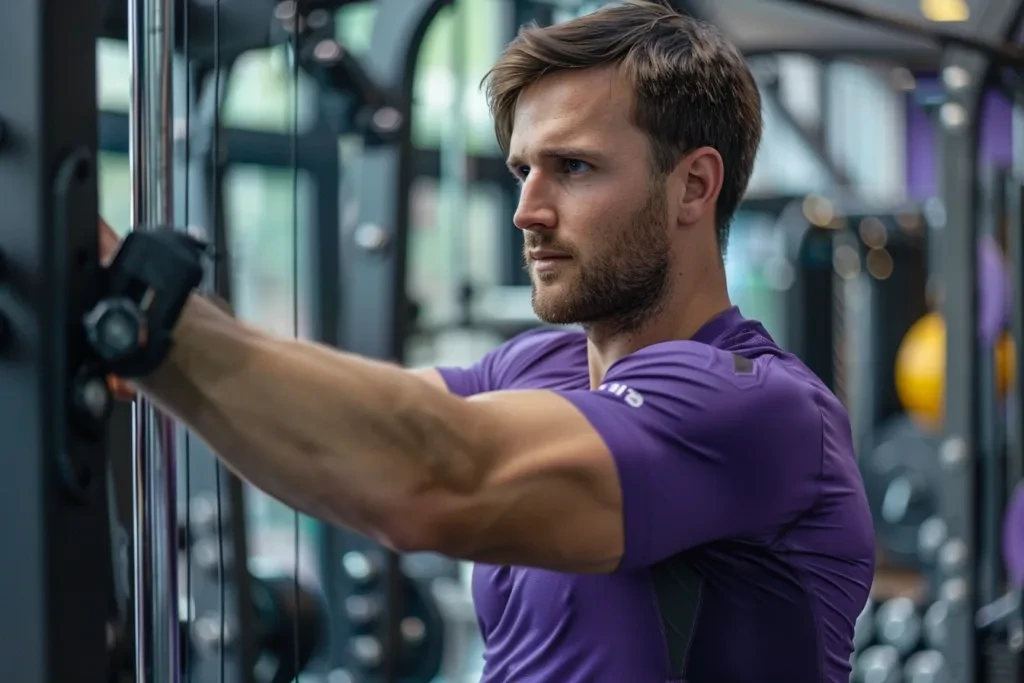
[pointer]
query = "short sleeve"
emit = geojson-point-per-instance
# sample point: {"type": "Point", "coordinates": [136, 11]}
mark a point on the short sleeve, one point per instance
{"type": "Point", "coordinates": [707, 446]}
{"type": "Point", "coordinates": [470, 380]}
{"type": "Point", "coordinates": [540, 357]}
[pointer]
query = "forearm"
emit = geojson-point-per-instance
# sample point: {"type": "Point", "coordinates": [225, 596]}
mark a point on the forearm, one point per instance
{"type": "Point", "coordinates": [351, 441]}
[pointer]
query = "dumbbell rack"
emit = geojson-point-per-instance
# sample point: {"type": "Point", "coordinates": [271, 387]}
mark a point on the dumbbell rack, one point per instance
{"type": "Point", "coordinates": [971, 654]}
{"type": "Point", "coordinates": [969, 62]}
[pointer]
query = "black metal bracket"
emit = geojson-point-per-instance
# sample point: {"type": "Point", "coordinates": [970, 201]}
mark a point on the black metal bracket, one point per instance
{"type": "Point", "coordinates": [60, 612]}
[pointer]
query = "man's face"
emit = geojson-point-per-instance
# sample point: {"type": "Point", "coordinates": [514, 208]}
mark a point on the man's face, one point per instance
{"type": "Point", "coordinates": [595, 219]}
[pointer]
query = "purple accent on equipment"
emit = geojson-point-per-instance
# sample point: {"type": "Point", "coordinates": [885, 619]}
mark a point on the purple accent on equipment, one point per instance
{"type": "Point", "coordinates": [993, 294]}
{"type": "Point", "coordinates": [994, 147]}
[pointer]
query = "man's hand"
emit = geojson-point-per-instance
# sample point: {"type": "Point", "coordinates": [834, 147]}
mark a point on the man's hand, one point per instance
{"type": "Point", "coordinates": [110, 242]}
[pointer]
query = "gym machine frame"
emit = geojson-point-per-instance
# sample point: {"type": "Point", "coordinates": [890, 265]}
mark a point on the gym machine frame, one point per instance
{"type": "Point", "coordinates": [374, 255]}
{"type": "Point", "coordinates": [379, 109]}
{"type": "Point", "coordinates": [58, 601]}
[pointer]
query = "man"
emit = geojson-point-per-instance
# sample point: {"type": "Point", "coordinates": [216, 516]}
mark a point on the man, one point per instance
{"type": "Point", "coordinates": [667, 497]}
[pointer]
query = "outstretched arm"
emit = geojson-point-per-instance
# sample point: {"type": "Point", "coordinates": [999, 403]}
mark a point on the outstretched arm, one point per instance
{"type": "Point", "coordinates": [509, 477]}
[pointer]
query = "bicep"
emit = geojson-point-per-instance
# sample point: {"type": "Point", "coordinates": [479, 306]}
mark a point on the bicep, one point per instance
{"type": "Point", "coordinates": [431, 376]}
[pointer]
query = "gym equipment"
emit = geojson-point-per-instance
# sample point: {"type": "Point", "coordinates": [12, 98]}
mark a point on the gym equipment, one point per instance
{"type": "Point", "coordinates": [864, 627]}
{"type": "Point", "coordinates": [920, 369]}
{"type": "Point", "coordinates": [282, 620]}
{"type": "Point", "coordinates": [931, 536]}
{"type": "Point", "coordinates": [921, 357]}
{"type": "Point", "coordinates": [993, 291]}
{"type": "Point", "coordinates": [898, 624]}
{"type": "Point", "coordinates": [900, 476]}
{"type": "Point", "coordinates": [146, 288]}
{"type": "Point", "coordinates": [421, 624]}
{"type": "Point", "coordinates": [926, 666]}
{"type": "Point", "coordinates": [935, 625]}
{"type": "Point", "coordinates": [878, 664]}
{"type": "Point", "coordinates": [833, 325]}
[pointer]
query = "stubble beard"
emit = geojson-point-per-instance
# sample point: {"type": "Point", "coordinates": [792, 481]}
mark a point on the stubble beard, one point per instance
{"type": "Point", "coordinates": [621, 285]}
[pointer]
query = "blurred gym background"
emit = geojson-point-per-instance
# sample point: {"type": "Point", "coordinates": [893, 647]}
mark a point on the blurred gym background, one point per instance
{"type": "Point", "coordinates": [832, 250]}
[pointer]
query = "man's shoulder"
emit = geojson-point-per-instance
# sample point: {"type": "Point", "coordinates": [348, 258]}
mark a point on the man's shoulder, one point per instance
{"type": "Point", "coordinates": [758, 387]}
{"type": "Point", "coordinates": [542, 358]}
{"type": "Point", "coordinates": [540, 340]}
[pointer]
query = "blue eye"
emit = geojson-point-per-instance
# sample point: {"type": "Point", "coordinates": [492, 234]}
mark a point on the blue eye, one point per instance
{"type": "Point", "coordinates": [575, 166]}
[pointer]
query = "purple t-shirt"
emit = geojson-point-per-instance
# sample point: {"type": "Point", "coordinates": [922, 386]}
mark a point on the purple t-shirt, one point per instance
{"type": "Point", "coordinates": [749, 548]}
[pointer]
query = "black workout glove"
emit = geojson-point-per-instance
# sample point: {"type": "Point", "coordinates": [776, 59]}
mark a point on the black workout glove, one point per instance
{"type": "Point", "coordinates": [145, 290]}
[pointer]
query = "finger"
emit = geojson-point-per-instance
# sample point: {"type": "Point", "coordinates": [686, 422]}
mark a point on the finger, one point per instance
{"type": "Point", "coordinates": [109, 241]}
{"type": "Point", "coordinates": [121, 390]}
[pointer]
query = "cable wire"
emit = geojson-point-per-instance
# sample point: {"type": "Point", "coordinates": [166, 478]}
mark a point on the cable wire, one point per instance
{"type": "Point", "coordinates": [216, 217]}
{"type": "Point", "coordinates": [296, 29]}
{"type": "Point", "coordinates": [185, 655]}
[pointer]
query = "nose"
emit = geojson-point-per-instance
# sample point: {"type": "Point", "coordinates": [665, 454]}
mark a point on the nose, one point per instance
{"type": "Point", "coordinates": [536, 210]}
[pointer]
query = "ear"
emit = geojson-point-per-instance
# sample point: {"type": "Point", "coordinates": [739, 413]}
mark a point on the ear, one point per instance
{"type": "Point", "coordinates": [701, 173]}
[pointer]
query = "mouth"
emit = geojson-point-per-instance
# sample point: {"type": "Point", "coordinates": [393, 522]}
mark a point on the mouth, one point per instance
{"type": "Point", "coordinates": [548, 261]}
{"type": "Point", "coordinates": [543, 256]}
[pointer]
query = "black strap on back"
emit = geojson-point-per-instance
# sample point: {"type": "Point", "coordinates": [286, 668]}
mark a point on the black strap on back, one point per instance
{"type": "Point", "coordinates": [677, 586]}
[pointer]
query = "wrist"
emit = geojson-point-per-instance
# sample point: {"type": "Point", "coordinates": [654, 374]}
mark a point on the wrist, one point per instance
{"type": "Point", "coordinates": [145, 290]}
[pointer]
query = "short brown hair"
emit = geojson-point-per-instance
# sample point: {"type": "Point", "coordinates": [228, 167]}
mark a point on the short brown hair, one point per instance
{"type": "Point", "coordinates": [692, 87]}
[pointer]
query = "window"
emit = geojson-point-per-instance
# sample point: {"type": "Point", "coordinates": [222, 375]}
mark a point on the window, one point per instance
{"type": "Point", "coordinates": [785, 164]}
{"type": "Point", "coordinates": [259, 203]}
{"type": "Point", "coordinates": [115, 191]}
{"type": "Point", "coordinates": [586, 7]}
{"type": "Point", "coordinates": [866, 130]}
{"type": "Point", "coordinates": [448, 248]}
{"type": "Point", "coordinates": [758, 269]}
{"type": "Point", "coordinates": [353, 27]}
{"type": "Point", "coordinates": [260, 93]}
{"type": "Point", "coordinates": [113, 75]}
{"type": "Point", "coordinates": [459, 48]}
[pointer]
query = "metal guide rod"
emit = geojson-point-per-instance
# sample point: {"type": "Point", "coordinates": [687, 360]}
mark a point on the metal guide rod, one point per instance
{"type": "Point", "coordinates": [151, 52]}
{"type": "Point", "coordinates": [1005, 54]}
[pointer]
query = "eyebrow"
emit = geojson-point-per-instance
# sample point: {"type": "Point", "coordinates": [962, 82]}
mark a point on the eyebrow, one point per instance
{"type": "Point", "coordinates": [581, 153]}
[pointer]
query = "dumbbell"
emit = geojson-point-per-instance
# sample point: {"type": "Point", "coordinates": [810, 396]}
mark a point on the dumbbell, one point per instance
{"type": "Point", "coordinates": [878, 664]}
{"type": "Point", "coordinates": [935, 625]}
{"type": "Point", "coordinates": [864, 628]}
{"type": "Point", "coordinates": [931, 536]}
{"type": "Point", "coordinates": [900, 473]}
{"type": "Point", "coordinates": [926, 666]}
{"type": "Point", "coordinates": [897, 623]}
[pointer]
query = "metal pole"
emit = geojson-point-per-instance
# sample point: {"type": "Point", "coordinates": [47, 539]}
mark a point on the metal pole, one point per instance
{"type": "Point", "coordinates": [151, 51]}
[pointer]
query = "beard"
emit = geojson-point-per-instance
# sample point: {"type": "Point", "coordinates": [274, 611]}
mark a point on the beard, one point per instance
{"type": "Point", "coordinates": [619, 286]}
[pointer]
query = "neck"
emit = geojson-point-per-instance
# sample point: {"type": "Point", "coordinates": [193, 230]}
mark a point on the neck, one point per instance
{"type": "Point", "coordinates": [681, 316]}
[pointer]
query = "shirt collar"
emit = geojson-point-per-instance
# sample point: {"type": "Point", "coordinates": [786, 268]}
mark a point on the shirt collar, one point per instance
{"type": "Point", "coordinates": [719, 325]}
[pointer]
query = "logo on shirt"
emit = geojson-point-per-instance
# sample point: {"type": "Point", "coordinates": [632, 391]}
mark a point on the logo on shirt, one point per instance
{"type": "Point", "coordinates": [632, 398]}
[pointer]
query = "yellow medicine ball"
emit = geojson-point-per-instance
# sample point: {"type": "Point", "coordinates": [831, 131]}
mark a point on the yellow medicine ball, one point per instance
{"type": "Point", "coordinates": [921, 369]}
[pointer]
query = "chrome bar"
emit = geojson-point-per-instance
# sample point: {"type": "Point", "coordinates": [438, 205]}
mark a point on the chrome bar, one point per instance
{"type": "Point", "coordinates": [151, 53]}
